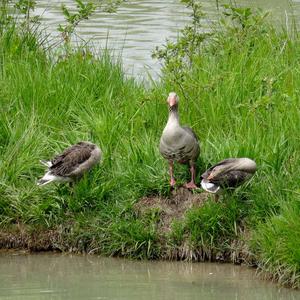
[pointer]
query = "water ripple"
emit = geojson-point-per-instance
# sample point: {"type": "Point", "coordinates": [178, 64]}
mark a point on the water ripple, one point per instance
{"type": "Point", "coordinates": [139, 26]}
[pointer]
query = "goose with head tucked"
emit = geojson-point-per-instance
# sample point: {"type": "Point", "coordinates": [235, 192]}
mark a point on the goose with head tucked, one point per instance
{"type": "Point", "coordinates": [71, 164]}
{"type": "Point", "coordinates": [228, 173]}
{"type": "Point", "coordinates": [179, 143]}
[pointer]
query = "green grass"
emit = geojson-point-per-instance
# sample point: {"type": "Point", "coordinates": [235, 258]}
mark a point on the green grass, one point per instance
{"type": "Point", "coordinates": [241, 95]}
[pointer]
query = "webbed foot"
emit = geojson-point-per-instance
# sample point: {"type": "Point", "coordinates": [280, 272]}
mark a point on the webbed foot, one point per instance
{"type": "Point", "coordinates": [190, 185]}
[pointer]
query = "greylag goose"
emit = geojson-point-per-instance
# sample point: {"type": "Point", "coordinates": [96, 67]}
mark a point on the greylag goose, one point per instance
{"type": "Point", "coordinates": [72, 163]}
{"type": "Point", "coordinates": [179, 143]}
{"type": "Point", "coordinates": [228, 173]}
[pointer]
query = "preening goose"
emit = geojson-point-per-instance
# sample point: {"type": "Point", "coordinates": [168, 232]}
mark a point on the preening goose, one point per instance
{"type": "Point", "coordinates": [179, 143]}
{"type": "Point", "coordinates": [228, 173]}
{"type": "Point", "coordinates": [72, 163]}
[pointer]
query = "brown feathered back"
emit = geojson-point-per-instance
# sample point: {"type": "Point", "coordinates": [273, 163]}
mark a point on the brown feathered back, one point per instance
{"type": "Point", "coordinates": [67, 162]}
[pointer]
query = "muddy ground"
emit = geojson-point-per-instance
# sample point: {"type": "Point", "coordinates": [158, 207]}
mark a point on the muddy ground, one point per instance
{"type": "Point", "coordinates": [173, 207]}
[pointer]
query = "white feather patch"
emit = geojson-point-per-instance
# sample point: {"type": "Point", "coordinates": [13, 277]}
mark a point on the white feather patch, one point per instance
{"type": "Point", "coordinates": [46, 163]}
{"type": "Point", "coordinates": [48, 177]}
{"type": "Point", "coordinates": [209, 187]}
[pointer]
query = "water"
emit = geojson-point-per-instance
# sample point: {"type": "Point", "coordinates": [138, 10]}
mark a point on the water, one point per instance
{"type": "Point", "coordinates": [57, 276]}
{"type": "Point", "coordinates": [134, 31]}
{"type": "Point", "coordinates": [139, 26]}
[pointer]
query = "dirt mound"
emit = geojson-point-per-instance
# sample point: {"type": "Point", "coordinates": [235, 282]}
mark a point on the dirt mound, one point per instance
{"type": "Point", "coordinates": [173, 207]}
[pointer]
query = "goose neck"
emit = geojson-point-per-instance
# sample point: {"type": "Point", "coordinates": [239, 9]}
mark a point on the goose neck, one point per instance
{"type": "Point", "coordinates": [173, 115]}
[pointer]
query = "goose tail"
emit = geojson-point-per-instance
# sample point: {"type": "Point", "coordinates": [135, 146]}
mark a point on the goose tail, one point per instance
{"type": "Point", "coordinates": [47, 178]}
{"type": "Point", "coordinates": [46, 163]}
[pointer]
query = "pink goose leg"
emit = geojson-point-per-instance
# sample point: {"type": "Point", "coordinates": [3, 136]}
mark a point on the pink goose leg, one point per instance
{"type": "Point", "coordinates": [171, 170]}
{"type": "Point", "coordinates": [191, 184]}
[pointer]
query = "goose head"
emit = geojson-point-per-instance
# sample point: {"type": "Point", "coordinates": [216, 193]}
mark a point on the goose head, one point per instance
{"type": "Point", "coordinates": [173, 100]}
{"type": "Point", "coordinates": [218, 170]}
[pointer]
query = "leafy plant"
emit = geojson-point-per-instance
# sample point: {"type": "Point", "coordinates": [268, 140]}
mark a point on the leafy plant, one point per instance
{"type": "Point", "coordinates": [178, 56]}
{"type": "Point", "coordinates": [84, 11]}
{"type": "Point", "coordinates": [25, 7]}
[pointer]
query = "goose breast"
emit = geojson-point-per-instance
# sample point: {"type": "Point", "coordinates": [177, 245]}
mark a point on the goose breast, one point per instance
{"type": "Point", "coordinates": [181, 145]}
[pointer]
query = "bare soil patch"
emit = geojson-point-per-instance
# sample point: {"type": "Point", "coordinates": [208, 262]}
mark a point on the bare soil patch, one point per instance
{"type": "Point", "coordinates": [173, 207]}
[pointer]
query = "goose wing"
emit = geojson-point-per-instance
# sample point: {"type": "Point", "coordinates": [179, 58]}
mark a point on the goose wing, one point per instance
{"type": "Point", "coordinates": [230, 179]}
{"type": "Point", "coordinates": [191, 132]}
{"type": "Point", "coordinates": [192, 149]}
{"type": "Point", "coordinates": [67, 162]}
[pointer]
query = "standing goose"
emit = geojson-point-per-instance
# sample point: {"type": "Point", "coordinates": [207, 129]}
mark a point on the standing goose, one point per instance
{"type": "Point", "coordinates": [179, 143]}
{"type": "Point", "coordinates": [228, 173]}
{"type": "Point", "coordinates": [72, 163]}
